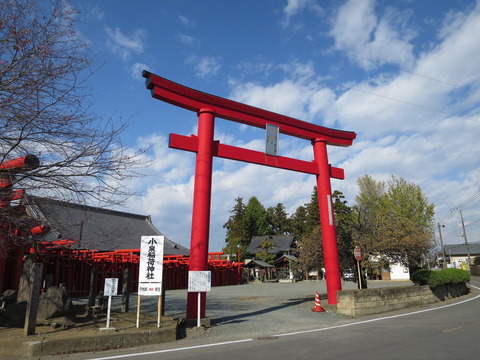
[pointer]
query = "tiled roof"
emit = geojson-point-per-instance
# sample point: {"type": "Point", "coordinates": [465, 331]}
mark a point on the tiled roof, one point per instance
{"type": "Point", "coordinates": [281, 244]}
{"type": "Point", "coordinates": [95, 228]}
{"type": "Point", "coordinates": [258, 262]}
{"type": "Point", "coordinates": [461, 249]}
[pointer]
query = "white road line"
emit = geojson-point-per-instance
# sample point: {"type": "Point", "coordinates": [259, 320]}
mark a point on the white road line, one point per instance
{"type": "Point", "coordinates": [171, 350]}
{"type": "Point", "coordinates": [286, 334]}
{"type": "Point", "coordinates": [379, 319]}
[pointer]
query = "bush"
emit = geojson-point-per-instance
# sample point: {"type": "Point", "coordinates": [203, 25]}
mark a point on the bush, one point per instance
{"type": "Point", "coordinates": [420, 277]}
{"type": "Point", "coordinates": [442, 277]}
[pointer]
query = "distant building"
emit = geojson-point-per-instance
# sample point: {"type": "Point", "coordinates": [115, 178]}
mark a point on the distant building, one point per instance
{"type": "Point", "coordinates": [394, 270]}
{"type": "Point", "coordinates": [457, 254]}
{"type": "Point", "coordinates": [282, 244]}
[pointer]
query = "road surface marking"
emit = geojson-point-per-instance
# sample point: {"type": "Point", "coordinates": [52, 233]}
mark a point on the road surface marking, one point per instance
{"type": "Point", "coordinates": [171, 350]}
{"type": "Point", "coordinates": [286, 334]}
{"type": "Point", "coordinates": [452, 330]}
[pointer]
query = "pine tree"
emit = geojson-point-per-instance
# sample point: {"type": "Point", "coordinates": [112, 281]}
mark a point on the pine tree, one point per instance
{"type": "Point", "coordinates": [313, 212]}
{"type": "Point", "coordinates": [344, 224]}
{"type": "Point", "coordinates": [256, 219]}
{"type": "Point", "coordinates": [278, 220]}
{"type": "Point", "coordinates": [237, 232]}
{"type": "Point", "coordinates": [298, 221]}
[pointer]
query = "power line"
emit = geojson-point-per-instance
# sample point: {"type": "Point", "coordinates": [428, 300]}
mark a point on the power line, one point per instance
{"type": "Point", "coordinates": [417, 105]}
{"type": "Point", "coordinates": [447, 217]}
{"type": "Point", "coordinates": [413, 73]}
{"type": "Point", "coordinates": [470, 200]}
{"type": "Point", "coordinates": [348, 53]}
{"type": "Point", "coordinates": [276, 33]}
{"type": "Point", "coordinates": [466, 202]}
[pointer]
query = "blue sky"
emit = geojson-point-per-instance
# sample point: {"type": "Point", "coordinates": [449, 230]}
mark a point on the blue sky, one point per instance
{"type": "Point", "coordinates": [404, 75]}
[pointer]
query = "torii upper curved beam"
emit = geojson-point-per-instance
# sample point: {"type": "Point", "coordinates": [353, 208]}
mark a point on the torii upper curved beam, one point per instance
{"type": "Point", "coordinates": [195, 100]}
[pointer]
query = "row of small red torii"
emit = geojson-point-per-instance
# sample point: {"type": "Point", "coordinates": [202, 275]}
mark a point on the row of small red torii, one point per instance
{"type": "Point", "coordinates": [208, 107]}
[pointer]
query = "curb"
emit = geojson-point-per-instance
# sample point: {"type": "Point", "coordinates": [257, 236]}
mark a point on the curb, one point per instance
{"type": "Point", "coordinates": [104, 341]}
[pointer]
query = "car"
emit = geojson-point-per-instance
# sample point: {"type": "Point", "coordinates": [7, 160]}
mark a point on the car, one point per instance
{"type": "Point", "coordinates": [348, 275]}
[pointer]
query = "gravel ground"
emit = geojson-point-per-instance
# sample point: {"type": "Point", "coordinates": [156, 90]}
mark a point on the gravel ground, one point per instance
{"type": "Point", "coordinates": [256, 309]}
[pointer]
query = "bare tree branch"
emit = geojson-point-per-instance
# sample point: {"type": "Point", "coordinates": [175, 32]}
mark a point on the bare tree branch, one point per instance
{"type": "Point", "coordinates": [45, 111]}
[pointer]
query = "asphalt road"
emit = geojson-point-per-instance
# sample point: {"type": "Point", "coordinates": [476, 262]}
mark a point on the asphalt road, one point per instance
{"type": "Point", "coordinates": [448, 331]}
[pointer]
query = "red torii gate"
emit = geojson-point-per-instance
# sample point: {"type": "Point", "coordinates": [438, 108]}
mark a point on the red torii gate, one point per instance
{"type": "Point", "coordinates": [208, 107]}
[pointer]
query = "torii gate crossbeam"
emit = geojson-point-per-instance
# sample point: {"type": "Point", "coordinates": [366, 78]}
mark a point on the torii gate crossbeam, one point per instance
{"type": "Point", "coordinates": [208, 107]}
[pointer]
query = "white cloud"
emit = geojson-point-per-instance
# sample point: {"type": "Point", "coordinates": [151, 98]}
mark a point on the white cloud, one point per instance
{"type": "Point", "coordinates": [452, 60]}
{"type": "Point", "coordinates": [358, 31]}
{"type": "Point", "coordinates": [305, 101]}
{"type": "Point", "coordinates": [123, 44]}
{"type": "Point", "coordinates": [187, 39]}
{"type": "Point", "coordinates": [294, 7]}
{"type": "Point", "coordinates": [397, 133]}
{"type": "Point", "coordinates": [186, 21]}
{"type": "Point", "coordinates": [97, 13]}
{"type": "Point", "coordinates": [136, 70]}
{"type": "Point", "coordinates": [205, 66]}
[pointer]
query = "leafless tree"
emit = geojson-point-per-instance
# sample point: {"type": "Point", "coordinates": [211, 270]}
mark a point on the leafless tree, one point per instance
{"type": "Point", "coordinates": [45, 110]}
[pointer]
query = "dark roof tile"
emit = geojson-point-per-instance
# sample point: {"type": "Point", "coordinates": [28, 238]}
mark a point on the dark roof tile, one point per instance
{"type": "Point", "coordinates": [95, 228]}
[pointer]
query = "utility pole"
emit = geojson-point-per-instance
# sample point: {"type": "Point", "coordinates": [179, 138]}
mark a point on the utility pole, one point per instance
{"type": "Point", "coordinates": [441, 244]}
{"type": "Point", "coordinates": [466, 242]}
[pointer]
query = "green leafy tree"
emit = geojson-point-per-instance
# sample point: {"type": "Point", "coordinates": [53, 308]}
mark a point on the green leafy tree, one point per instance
{"type": "Point", "coordinates": [313, 213]}
{"type": "Point", "coordinates": [407, 222]}
{"type": "Point", "coordinates": [298, 222]}
{"type": "Point", "coordinates": [278, 220]}
{"type": "Point", "coordinates": [367, 230]}
{"type": "Point", "coordinates": [394, 220]}
{"type": "Point", "coordinates": [265, 254]}
{"type": "Point", "coordinates": [310, 251]}
{"type": "Point", "coordinates": [237, 231]}
{"type": "Point", "coordinates": [256, 219]}
{"type": "Point", "coordinates": [344, 222]}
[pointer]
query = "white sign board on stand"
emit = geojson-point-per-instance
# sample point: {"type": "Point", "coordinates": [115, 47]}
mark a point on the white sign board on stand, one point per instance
{"type": "Point", "coordinates": [150, 271]}
{"type": "Point", "coordinates": [199, 281]}
{"type": "Point", "coordinates": [111, 287]}
{"type": "Point", "coordinates": [151, 266]}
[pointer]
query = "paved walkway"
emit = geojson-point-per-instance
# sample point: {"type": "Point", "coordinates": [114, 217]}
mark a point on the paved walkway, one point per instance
{"type": "Point", "coordinates": [257, 309]}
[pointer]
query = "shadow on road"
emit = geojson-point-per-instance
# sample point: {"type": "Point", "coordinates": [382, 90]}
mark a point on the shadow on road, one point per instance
{"type": "Point", "coordinates": [241, 317]}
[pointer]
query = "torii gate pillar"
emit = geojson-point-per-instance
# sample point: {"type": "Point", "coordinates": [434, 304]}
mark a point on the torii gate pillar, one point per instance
{"type": "Point", "coordinates": [201, 206]}
{"type": "Point", "coordinates": [329, 232]}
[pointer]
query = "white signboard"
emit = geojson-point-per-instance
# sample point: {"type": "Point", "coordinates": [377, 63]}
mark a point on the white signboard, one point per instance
{"type": "Point", "coordinates": [271, 140]}
{"type": "Point", "coordinates": [111, 287]}
{"type": "Point", "coordinates": [150, 289]}
{"type": "Point", "coordinates": [199, 281]}
{"type": "Point", "coordinates": [151, 266]}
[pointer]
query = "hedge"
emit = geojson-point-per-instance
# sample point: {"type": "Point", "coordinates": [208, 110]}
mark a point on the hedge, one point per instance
{"type": "Point", "coordinates": [435, 278]}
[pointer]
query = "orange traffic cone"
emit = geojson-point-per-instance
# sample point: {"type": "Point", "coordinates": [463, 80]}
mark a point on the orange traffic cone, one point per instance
{"type": "Point", "coordinates": [318, 306]}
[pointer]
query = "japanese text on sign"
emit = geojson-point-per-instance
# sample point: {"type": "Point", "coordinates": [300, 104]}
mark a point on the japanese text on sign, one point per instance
{"type": "Point", "coordinates": [150, 289]}
{"type": "Point", "coordinates": [111, 287]}
{"type": "Point", "coordinates": [199, 281]}
{"type": "Point", "coordinates": [151, 265]}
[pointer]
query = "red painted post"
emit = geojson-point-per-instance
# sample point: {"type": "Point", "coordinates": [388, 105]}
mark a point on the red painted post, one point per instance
{"type": "Point", "coordinates": [327, 220]}
{"type": "Point", "coordinates": [201, 206]}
